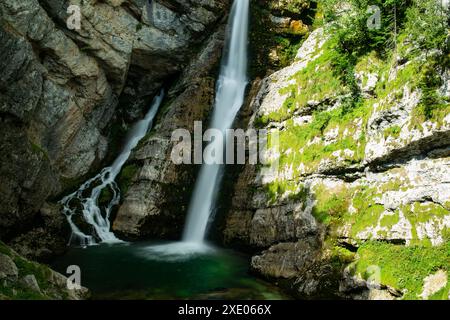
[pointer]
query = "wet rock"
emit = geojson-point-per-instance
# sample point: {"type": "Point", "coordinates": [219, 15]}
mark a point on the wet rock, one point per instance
{"type": "Point", "coordinates": [153, 41]}
{"type": "Point", "coordinates": [60, 282]}
{"type": "Point", "coordinates": [52, 138]}
{"type": "Point", "coordinates": [27, 178]}
{"type": "Point", "coordinates": [284, 223]}
{"type": "Point", "coordinates": [317, 281]}
{"type": "Point", "coordinates": [158, 195]}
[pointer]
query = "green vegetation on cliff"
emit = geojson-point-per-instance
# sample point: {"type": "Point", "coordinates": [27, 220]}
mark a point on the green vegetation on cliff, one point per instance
{"type": "Point", "coordinates": [357, 111]}
{"type": "Point", "coordinates": [405, 268]}
{"type": "Point", "coordinates": [327, 88]}
{"type": "Point", "coordinates": [273, 44]}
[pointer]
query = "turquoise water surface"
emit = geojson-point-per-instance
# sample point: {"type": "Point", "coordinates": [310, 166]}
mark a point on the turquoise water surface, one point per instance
{"type": "Point", "coordinates": [165, 271]}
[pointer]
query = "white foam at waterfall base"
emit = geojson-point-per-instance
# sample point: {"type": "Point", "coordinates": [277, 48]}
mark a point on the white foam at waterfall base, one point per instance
{"type": "Point", "coordinates": [176, 251]}
{"type": "Point", "coordinates": [99, 218]}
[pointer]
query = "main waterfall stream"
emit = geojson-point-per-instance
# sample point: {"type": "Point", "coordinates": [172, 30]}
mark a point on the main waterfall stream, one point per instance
{"type": "Point", "coordinates": [230, 93]}
{"type": "Point", "coordinates": [229, 99]}
{"type": "Point", "coordinates": [187, 269]}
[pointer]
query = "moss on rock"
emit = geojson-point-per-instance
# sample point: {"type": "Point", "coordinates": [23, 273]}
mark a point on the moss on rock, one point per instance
{"type": "Point", "coordinates": [50, 285]}
{"type": "Point", "coordinates": [404, 268]}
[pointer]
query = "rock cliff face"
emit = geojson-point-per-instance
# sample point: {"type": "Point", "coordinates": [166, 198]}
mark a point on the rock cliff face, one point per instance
{"type": "Point", "coordinates": [67, 95]}
{"type": "Point", "coordinates": [359, 206]}
{"type": "Point", "coordinates": [158, 191]}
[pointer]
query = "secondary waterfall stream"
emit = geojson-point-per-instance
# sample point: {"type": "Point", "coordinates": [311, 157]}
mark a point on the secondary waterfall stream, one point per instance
{"type": "Point", "coordinates": [92, 213]}
{"type": "Point", "coordinates": [229, 99]}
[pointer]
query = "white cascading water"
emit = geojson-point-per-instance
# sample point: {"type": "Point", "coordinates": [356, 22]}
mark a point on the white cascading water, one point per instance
{"type": "Point", "coordinates": [229, 99]}
{"type": "Point", "coordinates": [92, 213]}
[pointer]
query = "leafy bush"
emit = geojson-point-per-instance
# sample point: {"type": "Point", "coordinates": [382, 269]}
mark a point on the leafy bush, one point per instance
{"type": "Point", "coordinates": [427, 25]}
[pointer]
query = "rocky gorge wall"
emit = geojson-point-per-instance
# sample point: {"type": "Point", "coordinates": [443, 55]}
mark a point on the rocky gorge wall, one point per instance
{"type": "Point", "coordinates": [359, 207]}
{"type": "Point", "coordinates": [68, 96]}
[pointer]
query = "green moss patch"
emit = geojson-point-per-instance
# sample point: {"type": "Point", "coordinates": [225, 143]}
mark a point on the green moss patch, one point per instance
{"type": "Point", "coordinates": [403, 267]}
{"type": "Point", "coordinates": [293, 191]}
{"type": "Point", "coordinates": [393, 131]}
{"type": "Point", "coordinates": [20, 292]}
{"type": "Point", "coordinates": [16, 290]}
{"type": "Point", "coordinates": [318, 81]}
{"type": "Point", "coordinates": [330, 204]}
{"type": "Point", "coordinates": [41, 273]}
{"type": "Point", "coordinates": [126, 176]}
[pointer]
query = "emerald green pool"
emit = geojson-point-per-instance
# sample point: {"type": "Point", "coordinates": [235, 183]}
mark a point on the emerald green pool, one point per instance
{"type": "Point", "coordinates": [165, 271]}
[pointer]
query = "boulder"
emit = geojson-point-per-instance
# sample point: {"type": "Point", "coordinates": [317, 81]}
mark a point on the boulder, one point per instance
{"type": "Point", "coordinates": [7, 267]}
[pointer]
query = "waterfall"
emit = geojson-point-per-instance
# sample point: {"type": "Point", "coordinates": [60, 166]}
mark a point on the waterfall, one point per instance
{"type": "Point", "coordinates": [91, 212]}
{"type": "Point", "coordinates": [229, 99]}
